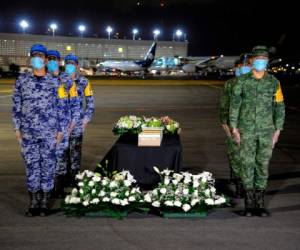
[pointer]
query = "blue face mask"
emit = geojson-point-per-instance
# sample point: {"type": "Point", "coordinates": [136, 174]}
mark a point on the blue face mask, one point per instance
{"type": "Point", "coordinates": [37, 62]}
{"type": "Point", "coordinates": [245, 70]}
{"type": "Point", "coordinates": [70, 69]}
{"type": "Point", "coordinates": [260, 64]}
{"type": "Point", "coordinates": [52, 66]}
{"type": "Point", "coordinates": [237, 72]}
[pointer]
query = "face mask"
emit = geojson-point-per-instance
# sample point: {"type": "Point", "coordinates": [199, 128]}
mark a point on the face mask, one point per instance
{"type": "Point", "coordinates": [260, 64]}
{"type": "Point", "coordinates": [70, 69]}
{"type": "Point", "coordinates": [245, 70]}
{"type": "Point", "coordinates": [37, 62]}
{"type": "Point", "coordinates": [52, 66]}
{"type": "Point", "coordinates": [237, 72]}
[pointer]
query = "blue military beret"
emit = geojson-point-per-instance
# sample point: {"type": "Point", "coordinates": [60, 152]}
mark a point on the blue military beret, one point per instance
{"type": "Point", "coordinates": [38, 48]}
{"type": "Point", "coordinates": [71, 57]}
{"type": "Point", "coordinates": [53, 53]}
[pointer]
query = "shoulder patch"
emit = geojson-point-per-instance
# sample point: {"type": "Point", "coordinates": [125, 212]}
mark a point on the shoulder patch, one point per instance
{"type": "Point", "coordinates": [62, 92]}
{"type": "Point", "coordinates": [88, 90]}
{"type": "Point", "coordinates": [278, 94]}
{"type": "Point", "coordinates": [73, 91]}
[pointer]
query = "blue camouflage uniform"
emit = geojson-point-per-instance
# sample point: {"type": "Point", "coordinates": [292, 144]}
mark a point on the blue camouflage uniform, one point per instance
{"type": "Point", "coordinates": [86, 100]}
{"type": "Point", "coordinates": [38, 112]}
{"type": "Point", "coordinates": [72, 115]}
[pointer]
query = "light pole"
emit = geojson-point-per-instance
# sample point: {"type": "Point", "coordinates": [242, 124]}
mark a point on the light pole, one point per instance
{"type": "Point", "coordinates": [156, 32]}
{"type": "Point", "coordinates": [134, 32]}
{"type": "Point", "coordinates": [24, 25]}
{"type": "Point", "coordinates": [53, 26]}
{"type": "Point", "coordinates": [81, 29]}
{"type": "Point", "coordinates": [109, 30]}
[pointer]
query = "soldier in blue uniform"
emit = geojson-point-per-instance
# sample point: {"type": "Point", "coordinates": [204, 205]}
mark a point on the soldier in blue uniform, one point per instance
{"type": "Point", "coordinates": [38, 119]}
{"type": "Point", "coordinates": [86, 99]}
{"type": "Point", "coordinates": [72, 116]}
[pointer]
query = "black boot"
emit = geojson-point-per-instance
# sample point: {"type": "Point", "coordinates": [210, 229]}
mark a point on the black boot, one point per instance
{"type": "Point", "coordinates": [249, 203]}
{"type": "Point", "coordinates": [34, 205]}
{"type": "Point", "coordinates": [45, 203]}
{"type": "Point", "coordinates": [260, 204]}
{"type": "Point", "coordinates": [59, 187]}
{"type": "Point", "coordinates": [73, 174]}
{"type": "Point", "coordinates": [239, 189]}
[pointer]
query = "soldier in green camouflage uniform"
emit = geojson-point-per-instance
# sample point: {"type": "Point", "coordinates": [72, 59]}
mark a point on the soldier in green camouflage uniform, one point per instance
{"type": "Point", "coordinates": [256, 115]}
{"type": "Point", "coordinates": [232, 146]}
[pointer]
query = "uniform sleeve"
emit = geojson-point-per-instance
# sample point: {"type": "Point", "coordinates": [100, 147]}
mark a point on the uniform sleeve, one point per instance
{"type": "Point", "coordinates": [235, 104]}
{"type": "Point", "coordinates": [89, 99]}
{"type": "Point", "coordinates": [224, 105]}
{"type": "Point", "coordinates": [62, 109]}
{"type": "Point", "coordinates": [74, 103]}
{"type": "Point", "coordinates": [17, 105]}
{"type": "Point", "coordinates": [279, 108]}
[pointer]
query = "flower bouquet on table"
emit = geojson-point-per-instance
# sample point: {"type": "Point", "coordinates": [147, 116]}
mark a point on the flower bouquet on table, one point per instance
{"type": "Point", "coordinates": [170, 126]}
{"type": "Point", "coordinates": [98, 196]}
{"type": "Point", "coordinates": [183, 194]}
{"type": "Point", "coordinates": [128, 124]}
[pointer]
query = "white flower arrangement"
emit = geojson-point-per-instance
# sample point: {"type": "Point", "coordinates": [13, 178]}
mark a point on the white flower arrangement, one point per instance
{"type": "Point", "coordinates": [95, 192]}
{"type": "Point", "coordinates": [184, 192]}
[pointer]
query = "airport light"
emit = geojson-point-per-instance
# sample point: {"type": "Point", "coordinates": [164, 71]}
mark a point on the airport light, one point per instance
{"type": "Point", "coordinates": [24, 25]}
{"type": "Point", "coordinates": [81, 29]}
{"type": "Point", "coordinates": [109, 30]}
{"type": "Point", "coordinates": [53, 26]}
{"type": "Point", "coordinates": [134, 32]}
{"type": "Point", "coordinates": [156, 32]}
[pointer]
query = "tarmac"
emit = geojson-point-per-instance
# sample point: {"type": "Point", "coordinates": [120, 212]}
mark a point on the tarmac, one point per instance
{"type": "Point", "coordinates": [195, 106]}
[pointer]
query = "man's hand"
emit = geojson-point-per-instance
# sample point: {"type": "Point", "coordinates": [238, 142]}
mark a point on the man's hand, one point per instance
{"type": "Point", "coordinates": [226, 129]}
{"type": "Point", "coordinates": [275, 138]}
{"type": "Point", "coordinates": [19, 136]}
{"type": "Point", "coordinates": [59, 137]}
{"type": "Point", "coordinates": [84, 124]}
{"type": "Point", "coordinates": [236, 135]}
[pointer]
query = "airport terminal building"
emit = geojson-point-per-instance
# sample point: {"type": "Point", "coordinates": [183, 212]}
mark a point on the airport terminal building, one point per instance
{"type": "Point", "coordinates": [14, 48]}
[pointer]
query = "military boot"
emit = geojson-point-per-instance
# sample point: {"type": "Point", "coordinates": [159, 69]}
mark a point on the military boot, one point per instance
{"type": "Point", "coordinates": [249, 203]}
{"type": "Point", "coordinates": [45, 203]}
{"type": "Point", "coordinates": [34, 205]}
{"type": "Point", "coordinates": [59, 187]}
{"type": "Point", "coordinates": [260, 204]}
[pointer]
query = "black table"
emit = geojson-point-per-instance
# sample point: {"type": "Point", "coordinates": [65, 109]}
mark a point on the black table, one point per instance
{"type": "Point", "coordinates": [126, 155]}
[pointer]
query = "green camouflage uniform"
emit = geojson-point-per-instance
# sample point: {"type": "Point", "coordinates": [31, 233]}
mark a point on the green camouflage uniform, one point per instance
{"type": "Point", "coordinates": [232, 147]}
{"type": "Point", "coordinates": [257, 109]}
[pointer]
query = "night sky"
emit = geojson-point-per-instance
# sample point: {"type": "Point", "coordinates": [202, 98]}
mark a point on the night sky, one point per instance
{"type": "Point", "coordinates": [213, 27]}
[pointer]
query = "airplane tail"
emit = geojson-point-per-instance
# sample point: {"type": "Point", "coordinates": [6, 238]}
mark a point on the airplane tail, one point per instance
{"type": "Point", "coordinates": [149, 57]}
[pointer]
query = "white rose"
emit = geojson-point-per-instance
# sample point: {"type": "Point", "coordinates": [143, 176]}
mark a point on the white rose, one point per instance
{"type": "Point", "coordinates": [102, 193]}
{"type": "Point", "coordinates": [186, 207]}
{"type": "Point", "coordinates": [67, 199]}
{"type": "Point", "coordinates": [104, 182]}
{"type": "Point", "coordinates": [105, 199]}
{"type": "Point", "coordinates": [93, 191]}
{"type": "Point", "coordinates": [113, 184]}
{"type": "Point", "coordinates": [127, 193]}
{"type": "Point", "coordinates": [95, 201]}
{"type": "Point", "coordinates": [167, 181]}
{"type": "Point", "coordinates": [81, 191]}
{"type": "Point", "coordinates": [207, 192]}
{"type": "Point", "coordinates": [155, 192]}
{"type": "Point", "coordinates": [175, 182]}
{"type": "Point", "coordinates": [127, 183]}
{"type": "Point", "coordinates": [220, 201]}
{"type": "Point", "coordinates": [204, 179]}
{"type": "Point", "coordinates": [194, 202]}
{"type": "Point", "coordinates": [89, 174]}
{"type": "Point", "coordinates": [113, 194]}
{"type": "Point", "coordinates": [74, 191]}
{"type": "Point", "coordinates": [169, 203]}
{"type": "Point", "coordinates": [80, 184]}
{"type": "Point", "coordinates": [195, 193]}
{"type": "Point", "coordinates": [115, 201]}
{"type": "Point", "coordinates": [213, 190]}
{"type": "Point", "coordinates": [163, 190]}
{"type": "Point", "coordinates": [124, 202]}
{"type": "Point", "coordinates": [147, 197]}
{"type": "Point", "coordinates": [156, 204]}
{"type": "Point", "coordinates": [85, 203]}
{"type": "Point", "coordinates": [75, 200]}
{"type": "Point", "coordinates": [185, 191]}
{"type": "Point", "coordinates": [196, 184]}
{"type": "Point", "coordinates": [133, 191]}
{"type": "Point", "coordinates": [209, 201]}
{"type": "Point", "coordinates": [177, 203]}
{"type": "Point", "coordinates": [91, 183]}
{"type": "Point", "coordinates": [96, 178]}
{"type": "Point", "coordinates": [187, 180]}
{"type": "Point", "coordinates": [132, 199]}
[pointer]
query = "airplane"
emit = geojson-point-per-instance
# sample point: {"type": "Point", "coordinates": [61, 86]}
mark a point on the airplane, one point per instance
{"type": "Point", "coordinates": [130, 66]}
